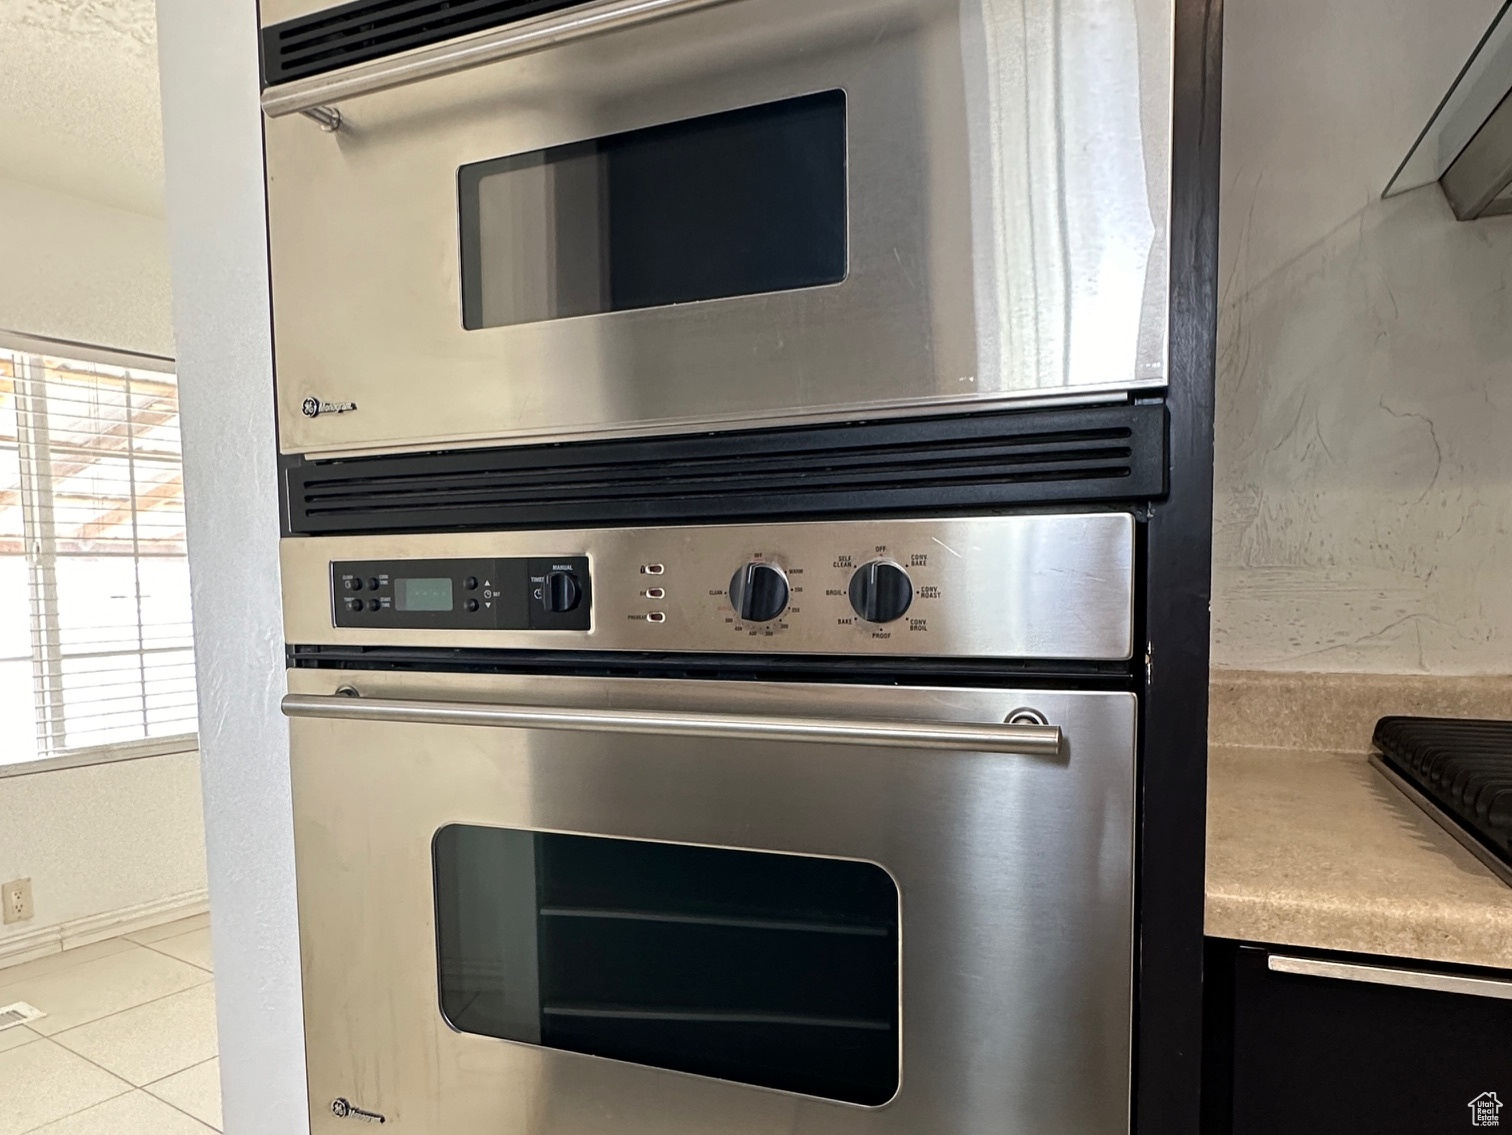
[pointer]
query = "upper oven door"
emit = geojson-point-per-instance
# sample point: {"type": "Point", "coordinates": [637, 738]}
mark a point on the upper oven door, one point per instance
{"type": "Point", "coordinates": [576, 906]}
{"type": "Point", "coordinates": [755, 212]}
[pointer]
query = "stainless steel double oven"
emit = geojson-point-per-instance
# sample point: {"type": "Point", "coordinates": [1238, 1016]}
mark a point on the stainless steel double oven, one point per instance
{"type": "Point", "coordinates": [730, 535]}
{"type": "Point", "coordinates": [557, 904]}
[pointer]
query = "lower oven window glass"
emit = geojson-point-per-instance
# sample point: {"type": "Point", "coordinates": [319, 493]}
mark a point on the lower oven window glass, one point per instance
{"type": "Point", "coordinates": [774, 970]}
{"type": "Point", "coordinates": [739, 203]}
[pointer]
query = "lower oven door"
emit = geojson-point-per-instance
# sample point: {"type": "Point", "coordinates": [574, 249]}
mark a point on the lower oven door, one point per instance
{"type": "Point", "coordinates": [570, 906]}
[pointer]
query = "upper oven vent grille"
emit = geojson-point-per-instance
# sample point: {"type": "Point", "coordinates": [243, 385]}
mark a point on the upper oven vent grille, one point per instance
{"type": "Point", "coordinates": [1106, 453]}
{"type": "Point", "coordinates": [371, 29]}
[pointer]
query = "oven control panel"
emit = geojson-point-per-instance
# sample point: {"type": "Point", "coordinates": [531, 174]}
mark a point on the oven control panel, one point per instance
{"type": "Point", "coordinates": [1029, 586]}
{"type": "Point", "coordinates": [535, 593]}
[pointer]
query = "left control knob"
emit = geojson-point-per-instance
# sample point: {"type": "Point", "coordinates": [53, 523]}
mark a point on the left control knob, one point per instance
{"type": "Point", "coordinates": [759, 592]}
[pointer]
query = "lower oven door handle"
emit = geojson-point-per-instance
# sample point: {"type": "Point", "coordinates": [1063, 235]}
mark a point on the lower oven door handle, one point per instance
{"type": "Point", "coordinates": [1029, 740]}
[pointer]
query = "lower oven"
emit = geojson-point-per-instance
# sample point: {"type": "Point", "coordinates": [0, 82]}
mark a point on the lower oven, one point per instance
{"type": "Point", "coordinates": [544, 904]}
{"type": "Point", "coordinates": [770, 894]}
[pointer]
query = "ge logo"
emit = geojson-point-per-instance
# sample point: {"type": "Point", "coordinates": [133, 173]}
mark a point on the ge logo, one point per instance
{"type": "Point", "coordinates": [310, 409]}
{"type": "Point", "coordinates": [340, 1108]}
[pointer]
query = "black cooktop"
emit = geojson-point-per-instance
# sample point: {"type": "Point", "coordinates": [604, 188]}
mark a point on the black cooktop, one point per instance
{"type": "Point", "coordinates": [1460, 772]}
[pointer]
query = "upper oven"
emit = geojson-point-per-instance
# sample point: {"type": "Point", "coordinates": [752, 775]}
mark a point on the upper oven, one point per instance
{"type": "Point", "coordinates": [637, 217]}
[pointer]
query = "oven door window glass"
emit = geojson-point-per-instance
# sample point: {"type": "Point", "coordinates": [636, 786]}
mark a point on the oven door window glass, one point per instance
{"type": "Point", "coordinates": [733, 204]}
{"type": "Point", "coordinates": [774, 970]}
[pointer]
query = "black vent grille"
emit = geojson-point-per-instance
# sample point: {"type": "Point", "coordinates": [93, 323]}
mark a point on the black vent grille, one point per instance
{"type": "Point", "coordinates": [1114, 453]}
{"type": "Point", "coordinates": [370, 29]}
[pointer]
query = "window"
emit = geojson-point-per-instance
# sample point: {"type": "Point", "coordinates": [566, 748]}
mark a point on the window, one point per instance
{"type": "Point", "coordinates": [778, 970]}
{"type": "Point", "coordinates": [732, 204]}
{"type": "Point", "coordinates": [96, 656]}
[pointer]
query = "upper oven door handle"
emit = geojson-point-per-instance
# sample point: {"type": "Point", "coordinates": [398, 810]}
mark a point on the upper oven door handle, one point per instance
{"type": "Point", "coordinates": [1029, 739]}
{"type": "Point", "coordinates": [320, 91]}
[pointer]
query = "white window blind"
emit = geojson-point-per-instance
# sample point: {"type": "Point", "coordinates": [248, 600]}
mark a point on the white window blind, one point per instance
{"type": "Point", "coordinates": [95, 648]}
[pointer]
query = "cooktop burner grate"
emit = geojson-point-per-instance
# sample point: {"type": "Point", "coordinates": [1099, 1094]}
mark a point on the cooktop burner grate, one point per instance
{"type": "Point", "coordinates": [1460, 772]}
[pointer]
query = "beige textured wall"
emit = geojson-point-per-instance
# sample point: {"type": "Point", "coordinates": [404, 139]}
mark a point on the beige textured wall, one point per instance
{"type": "Point", "coordinates": [84, 257]}
{"type": "Point", "coordinates": [82, 271]}
{"type": "Point", "coordinates": [1365, 376]}
{"type": "Point", "coordinates": [115, 839]}
{"type": "Point", "coordinates": [83, 250]}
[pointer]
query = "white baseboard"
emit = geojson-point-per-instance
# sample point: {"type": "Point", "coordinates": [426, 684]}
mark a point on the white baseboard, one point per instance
{"type": "Point", "coordinates": [45, 940]}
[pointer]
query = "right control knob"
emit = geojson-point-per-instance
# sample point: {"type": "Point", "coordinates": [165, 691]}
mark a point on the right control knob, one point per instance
{"type": "Point", "coordinates": [561, 591]}
{"type": "Point", "coordinates": [881, 591]}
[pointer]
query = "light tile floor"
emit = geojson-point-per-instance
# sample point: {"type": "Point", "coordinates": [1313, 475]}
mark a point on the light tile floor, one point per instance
{"type": "Point", "coordinates": [128, 1044]}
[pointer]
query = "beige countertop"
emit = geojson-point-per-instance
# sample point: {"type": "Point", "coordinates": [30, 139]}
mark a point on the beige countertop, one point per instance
{"type": "Point", "coordinates": [1310, 848]}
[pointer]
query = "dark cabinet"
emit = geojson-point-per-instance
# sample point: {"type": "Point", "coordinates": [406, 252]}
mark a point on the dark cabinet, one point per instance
{"type": "Point", "coordinates": [1308, 1044]}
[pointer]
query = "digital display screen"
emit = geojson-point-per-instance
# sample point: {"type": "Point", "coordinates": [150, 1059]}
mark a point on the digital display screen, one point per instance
{"type": "Point", "coordinates": [423, 594]}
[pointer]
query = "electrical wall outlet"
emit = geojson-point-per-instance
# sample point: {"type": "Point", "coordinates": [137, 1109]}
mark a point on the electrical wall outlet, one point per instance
{"type": "Point", "coordinates": [17, 898]}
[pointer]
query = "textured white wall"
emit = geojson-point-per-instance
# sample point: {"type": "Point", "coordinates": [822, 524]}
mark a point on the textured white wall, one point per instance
{"type": "Point", "coordinates": [212, 130]}
{"type": "Point", "coordinates": [81, 175]}
{"type": "Point", "coordinates": [84, 257]}
{"type": "Point", "coordinates": [82, 271]}
{"type": "Point", "coordinates": [1365, 375]}
{"type": "Point", "coordinates": [102, 839]}
{"type": "Point", "coordinates": [78, 84]}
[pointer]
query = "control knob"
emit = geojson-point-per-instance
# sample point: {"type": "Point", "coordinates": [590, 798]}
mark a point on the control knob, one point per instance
{"type": "Point", "coordinates": [759, 592]}
{"type": "Point", "coordinates": [562, 591]}
{"type": "Point", "coordinates": [881, 591]}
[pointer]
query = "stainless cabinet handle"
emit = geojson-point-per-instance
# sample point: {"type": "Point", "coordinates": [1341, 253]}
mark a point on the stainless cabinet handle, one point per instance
{"type": "Point", "coordinates": [1023, 740]}
{"type": "Point", "coordinates": [1382, 975]}
{"type": "Point", "coordinates": [469, 51]}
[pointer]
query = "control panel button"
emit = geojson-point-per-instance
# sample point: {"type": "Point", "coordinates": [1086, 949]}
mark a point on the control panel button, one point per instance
{"type": "Point", "coordinates": [881, 591]}
{"type": "Point", "coordinates": [759, 592]}
{"type": "Point", "coordinates": [562, 591]}
{"type": "Point", "coordinates": [547, 593]}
